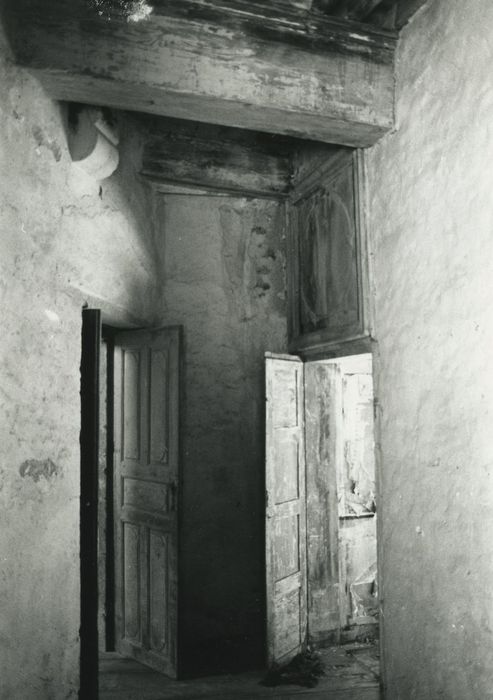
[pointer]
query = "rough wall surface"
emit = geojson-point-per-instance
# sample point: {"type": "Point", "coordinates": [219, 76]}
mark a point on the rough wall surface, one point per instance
{"type": "Point", "coordinates": [224, 262]}
{"type": "Point", "coordinates": [431, 185]}
{"type": "Point", "coordinates": [63, 241]}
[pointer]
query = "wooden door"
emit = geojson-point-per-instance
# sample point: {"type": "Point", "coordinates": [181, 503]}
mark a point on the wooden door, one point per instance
{"type": "Point", "coordinates": [285, 508]}
{"type": "Point", "coordinates": [146, 493]}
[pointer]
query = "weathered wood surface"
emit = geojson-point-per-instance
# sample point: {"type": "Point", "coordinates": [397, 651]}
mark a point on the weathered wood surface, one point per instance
{"type": "Point", "coordinates": [391, 14]}
{"type": "Point", "coordinates": [145, 495]}
{"type": "Point", "coordinates": [328, 274]}
{"type": "Point", "coordinates": [356, 9]}
{"type": "Point", "coordinates": [215, 158]}
{"type": "Point", "coordinates": [253, 66]}
{"type": "Point", "coordinates": [285, 525]}
{"type": "Point", "coordinates": [388, 14]}
{"type": "Point", "coordinates": [309, 157]}
{"type": "Point", "coordinates": [348, 676]}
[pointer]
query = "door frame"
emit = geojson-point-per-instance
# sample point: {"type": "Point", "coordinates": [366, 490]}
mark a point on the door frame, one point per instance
{"type": "Point", "coordinates": [89, 453]}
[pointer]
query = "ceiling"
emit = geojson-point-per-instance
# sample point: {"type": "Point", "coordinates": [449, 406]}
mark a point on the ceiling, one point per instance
{"type": "Point", "coordinates": [382, 14]}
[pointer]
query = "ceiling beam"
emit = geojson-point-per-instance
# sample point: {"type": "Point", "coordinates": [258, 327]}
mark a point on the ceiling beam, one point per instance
{"type": "Point", "coordinates": [388, 14]}
{"type": "Point", "coordinates": [252, 65]}
{"type": "Point", "coordinates": [393, 14]}
{"type": "Point", "coordinates": [327, 6]}
{"type": "Point", "coordinates": [360, 9]}
{"type": "Point", "coordinates": [215, 158]}
{"type": "Point", "coordinates": [348, 9]}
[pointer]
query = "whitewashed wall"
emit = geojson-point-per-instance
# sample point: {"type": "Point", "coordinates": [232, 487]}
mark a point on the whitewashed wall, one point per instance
{"type": "Point", "coordinates": [63, 242]}
{"type": "Point", "coordinates": [431, 198]}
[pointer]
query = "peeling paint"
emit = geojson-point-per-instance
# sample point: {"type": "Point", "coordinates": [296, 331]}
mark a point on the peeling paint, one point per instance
{"type": "Point", "coordinates": [37, 468]}
{"type": "Point", "coordinates": [51, 144]}
{"type": "Point", "coordinates": [56, 237]}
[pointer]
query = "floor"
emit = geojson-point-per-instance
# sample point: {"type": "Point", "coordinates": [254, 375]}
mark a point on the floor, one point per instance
{"type": "Point", "coordinates": [351, 673]}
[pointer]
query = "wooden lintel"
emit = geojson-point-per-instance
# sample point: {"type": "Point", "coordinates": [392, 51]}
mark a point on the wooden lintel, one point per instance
{"type": "Point", "coordinates": [248, 65]}
{"type": "Point", "coordinates": [215, 158]}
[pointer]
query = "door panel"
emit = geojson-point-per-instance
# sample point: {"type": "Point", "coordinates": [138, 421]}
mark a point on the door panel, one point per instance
{"type": "Point", "coordinates": [146, 481]}
{"type": "Point", "coordinates": [285, 516]}
{"type": "Point", "coordinates": [328, 270]}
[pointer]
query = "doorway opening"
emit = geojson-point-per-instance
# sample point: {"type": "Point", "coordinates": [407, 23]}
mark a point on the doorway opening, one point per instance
{"type": "Point", "coordinates": [324, 461]}
{"type": "Point", "coordinates": [129, 496]}
{"type": "Point", "coordinates": [321, 534]}
{"type": "Point", "coordinates": [341, 472]}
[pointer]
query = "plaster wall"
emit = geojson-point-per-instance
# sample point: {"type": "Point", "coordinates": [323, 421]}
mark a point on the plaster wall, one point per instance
{"type": "Point", "coordinates": [63, 242]}
{"type": "Point", "coordinates": [431, 184]}
{"type": "Point", "coordinates": [356, 494]}
{"type": "Point", "coordinates": [225, 282]}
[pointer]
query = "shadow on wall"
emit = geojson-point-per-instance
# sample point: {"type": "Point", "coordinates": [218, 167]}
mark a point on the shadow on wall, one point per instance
{"type": "Point", "coordinates": [229, 294]}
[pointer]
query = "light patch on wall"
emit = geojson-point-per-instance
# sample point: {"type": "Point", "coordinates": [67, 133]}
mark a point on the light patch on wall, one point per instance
{"type": "Point", "coordinates": [132, 10]}
{"type": "Point", "coordinates": [141, 11]}
{"type": "Point", "coordinates": [52, 316]}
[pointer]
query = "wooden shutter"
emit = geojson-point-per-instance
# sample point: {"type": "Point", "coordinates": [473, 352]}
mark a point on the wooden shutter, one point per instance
{"type": "Point", "coordinates": [285, 512]}
{"type": "Point", "coordinates": [146, 483]}
{"type": "Point", "coordinates": [328, 266]}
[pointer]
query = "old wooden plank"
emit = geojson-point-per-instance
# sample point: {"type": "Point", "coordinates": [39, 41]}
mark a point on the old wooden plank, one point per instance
{"type": "Point", "coordinates": [216, 158]}
{"type": "Point", "coordinates": [285, 523]}
{"type": "Point", "coordinates": [346, 678]}
{"type": "Point", "coordinates": [218, 62]}
{"type": "Point", "coordinates": [276, 22]}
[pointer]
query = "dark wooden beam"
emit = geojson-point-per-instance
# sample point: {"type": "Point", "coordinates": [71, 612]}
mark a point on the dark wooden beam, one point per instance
{"type": "Point", "coordinates": [348, 9]}
{"type": "Point", "coordinates": [361, 9]}
{"type": "Point", "coordinates": [260, 66]}
{"type": "Point", "coordinates": [385, 14]}
{"type": "Point", "coordinates": [327, 6]}
{"type": "Point", "coordinates": [405, 10]}
{"type": "Point", "coordinates": [393, 14]}
{"type": "Point", "coordinates": [298, 4]}
{"type": "Point", "coordinates": [215, 158]}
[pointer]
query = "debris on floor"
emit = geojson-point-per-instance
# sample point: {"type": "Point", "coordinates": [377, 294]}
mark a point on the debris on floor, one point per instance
{"type": "Point", "coordinates": [304, 669]}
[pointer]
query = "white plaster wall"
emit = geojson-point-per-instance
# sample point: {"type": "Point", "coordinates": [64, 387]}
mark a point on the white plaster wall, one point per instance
{"type": "Point", "coordinates": [431, 201]}
{"type": "Point", "coordinates": [63, 241]}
